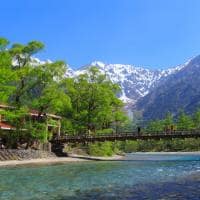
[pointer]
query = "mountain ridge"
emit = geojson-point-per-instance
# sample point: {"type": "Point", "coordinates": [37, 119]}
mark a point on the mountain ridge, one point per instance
{"type": "Point", "coordinates": [179, 91]}
{"type": "Point", "coordinates": [152, 92]}
{"type": "Point", "coordinates": [135, 82]}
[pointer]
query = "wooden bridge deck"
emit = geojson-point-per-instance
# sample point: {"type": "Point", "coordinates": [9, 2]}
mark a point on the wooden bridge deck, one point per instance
{"type": "Point", "coordinates": [127, 136]}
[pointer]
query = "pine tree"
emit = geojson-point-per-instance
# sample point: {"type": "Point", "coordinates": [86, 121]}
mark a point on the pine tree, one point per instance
{"type": "Point", "coordinates": [196, 119]}
{"type": "Point", "coordinates": [185, 122]}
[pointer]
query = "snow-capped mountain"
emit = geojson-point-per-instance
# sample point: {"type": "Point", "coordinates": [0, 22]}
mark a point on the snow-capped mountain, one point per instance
{"type": "Point", "coordinates": [33, 61]}
{"type": "Point", "coordinates": [135, 82]}
{"type": "Point", "coordinates": [151, 93]}
{"type": "Point", "coordinates": [178, 91]}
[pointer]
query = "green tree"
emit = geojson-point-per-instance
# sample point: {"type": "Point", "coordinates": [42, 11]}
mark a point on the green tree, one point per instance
{"type": "Point", "coordinates": [185, 122]}
{"type": "Point", "coordinates": [168, 120]}
{"type": "Point", "coordinates": [94, 102]}
{"type": "Point", "coordinates": [21, 58]}
{"type": "Point", "coordinates": [196, 119]}
{"type": "Point", "coordinates": [6, 73]}
{"type": "Point", "coordinates": [36, 84]}
{"type": "Point", "coordinates": [155, 126]}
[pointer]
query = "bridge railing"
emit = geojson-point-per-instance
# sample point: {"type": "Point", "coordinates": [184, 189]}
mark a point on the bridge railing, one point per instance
{"type": "Point", "coordinates": [128, 134]}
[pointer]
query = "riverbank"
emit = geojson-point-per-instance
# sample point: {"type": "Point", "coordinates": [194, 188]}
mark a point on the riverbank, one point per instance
{"type": "Point", "coordinates": [95, 158]}
{"type": "Point", "coordinates": [39, 161]}
{"type": "Point", "coordinates": [56, 160]}
{"type": "Point", "coordinates": [24, 154]}
{"type": "Point", "coordinates": [81, 158]}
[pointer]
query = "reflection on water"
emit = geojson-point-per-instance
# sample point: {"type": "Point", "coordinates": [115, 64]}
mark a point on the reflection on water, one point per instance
{"type": "Point", "coordinates": [159, 177]}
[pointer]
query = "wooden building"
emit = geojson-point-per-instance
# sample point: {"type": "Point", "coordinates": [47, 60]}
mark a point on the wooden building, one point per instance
{"type": "Point", "coordinates": [53, 122]}
{"type": "Point", "coordinates": [4, 125]}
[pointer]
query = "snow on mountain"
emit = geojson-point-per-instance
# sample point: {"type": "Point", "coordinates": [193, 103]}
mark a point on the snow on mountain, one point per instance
{"type": "Point", "coordinates": [135, 82]}
{"type": "Point", "coordinates": [33, 61]}
{"type": "Point", "coordinates": [36, 61]}
{"type": "Point", "coordinates": [178, 91]}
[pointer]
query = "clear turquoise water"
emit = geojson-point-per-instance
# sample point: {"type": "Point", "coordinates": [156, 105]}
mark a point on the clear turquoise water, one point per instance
{"type": "Point", "coordinates": [140, 177]}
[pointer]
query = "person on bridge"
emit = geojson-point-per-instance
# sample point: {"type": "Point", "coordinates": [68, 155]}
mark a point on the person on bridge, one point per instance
{"type": "Point", "coordinates": [138, 130]}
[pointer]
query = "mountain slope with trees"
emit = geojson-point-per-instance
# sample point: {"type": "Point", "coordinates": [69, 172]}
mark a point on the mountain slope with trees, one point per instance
{"type": "Point", "coordinates": [179, 91]}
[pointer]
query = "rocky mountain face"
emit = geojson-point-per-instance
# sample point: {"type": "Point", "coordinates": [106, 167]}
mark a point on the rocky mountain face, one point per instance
{"type": "Point", "coordinates": [178, 91]}
{"type": "Point", "coordinates": [135, 82]}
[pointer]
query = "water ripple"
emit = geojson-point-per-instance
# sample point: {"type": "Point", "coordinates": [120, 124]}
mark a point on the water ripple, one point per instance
{"type": "Point", "coordinates": [158, 179]}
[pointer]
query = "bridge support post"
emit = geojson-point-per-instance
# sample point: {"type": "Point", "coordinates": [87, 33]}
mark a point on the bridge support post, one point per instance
{"type": "Point", "coordinates": [57, 148]}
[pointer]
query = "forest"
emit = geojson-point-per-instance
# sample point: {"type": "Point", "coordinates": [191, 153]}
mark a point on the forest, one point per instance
{"type": "Point", "coordinates": [86, 103]}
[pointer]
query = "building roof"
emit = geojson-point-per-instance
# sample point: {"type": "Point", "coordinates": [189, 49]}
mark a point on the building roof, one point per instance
{"type": "Point", "coordinates": [32, 112]}
{"type": "Point", "coordinates": [36, 113]}
{"type": "Point", "coordinates": [53, 116]}
{"type": "Point", "coordinates": [6, 106]}
{"type": "Point", "coordinates": [5, 126]}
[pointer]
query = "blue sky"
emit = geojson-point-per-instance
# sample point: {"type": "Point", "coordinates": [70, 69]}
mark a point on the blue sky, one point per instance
{"type": "Point", "coordinates": [152, 33]}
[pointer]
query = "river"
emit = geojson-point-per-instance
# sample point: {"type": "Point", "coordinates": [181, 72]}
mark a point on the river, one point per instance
{"type": "Point", "coordinates": [139, 176]}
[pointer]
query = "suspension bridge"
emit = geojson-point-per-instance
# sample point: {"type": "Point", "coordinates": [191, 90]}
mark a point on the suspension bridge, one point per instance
{"type": "Point", "coordinates": [126, 136]}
